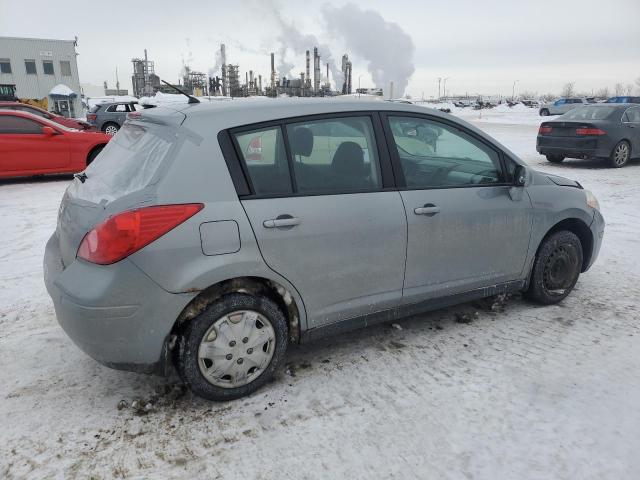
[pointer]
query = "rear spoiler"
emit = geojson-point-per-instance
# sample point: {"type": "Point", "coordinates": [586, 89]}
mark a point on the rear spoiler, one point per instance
{"type": "Point", "coordinates": [160, 116]}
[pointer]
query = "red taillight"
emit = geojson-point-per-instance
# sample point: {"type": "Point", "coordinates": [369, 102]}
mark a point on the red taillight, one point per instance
{"type": "Point", "coordinates": [125, 233]}
{"type": "Point", "coordinates": [590, 131]}
{"type": "Point", "coordinates": [544, 130]}
{"type": "Point", "coordinates": [91, 116]}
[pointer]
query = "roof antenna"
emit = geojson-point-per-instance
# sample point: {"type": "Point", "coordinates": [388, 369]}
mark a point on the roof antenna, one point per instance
{"type": "Point", "coordinates": [192, 99]}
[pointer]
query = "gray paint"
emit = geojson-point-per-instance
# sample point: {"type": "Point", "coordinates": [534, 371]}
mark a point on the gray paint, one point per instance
{"type": "Point", "coordinates": [344, 261]}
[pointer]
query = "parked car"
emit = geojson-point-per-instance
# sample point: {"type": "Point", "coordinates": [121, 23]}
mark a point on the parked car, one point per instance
{"type": "Point", "coordinates": [40, 112]}
{"type": "Point", "coordinates": [109, 117]}
{"type": "Point", "coordinates": [623, 99]}
{"type": "Point", "coordinates": [186, 243]}
{"type": "Point", "coordinates": [32, 145]}
{"type": "Point", "coordinates": [604, 130]}
{"type": "Point", "coordinates": [530, 103]}
{"type": "Point", "coordinates": [563, 105]}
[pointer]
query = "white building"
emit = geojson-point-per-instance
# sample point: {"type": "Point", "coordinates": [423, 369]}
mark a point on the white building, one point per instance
{"type": "Point", "coordinates": [40, 69]}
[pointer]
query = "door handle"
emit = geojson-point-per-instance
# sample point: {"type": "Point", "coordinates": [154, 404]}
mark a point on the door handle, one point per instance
{"type": "Point", "coordinates": [429, 209]}
{"type": "Point", "coordinates": [281, 221]}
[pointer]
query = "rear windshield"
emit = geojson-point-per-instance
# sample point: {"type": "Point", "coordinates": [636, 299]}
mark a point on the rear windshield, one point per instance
{"type": "Point", "coordinates": [589, 113]}
{"type": "Point", "coordinates": [127, 164]}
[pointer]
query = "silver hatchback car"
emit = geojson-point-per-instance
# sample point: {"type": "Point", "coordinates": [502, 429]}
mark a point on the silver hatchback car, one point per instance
{"type": "Point", "coordinates": [210, 236]}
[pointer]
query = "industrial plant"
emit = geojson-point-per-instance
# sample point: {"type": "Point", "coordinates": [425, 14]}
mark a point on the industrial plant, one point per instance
{"type": "Point", "coordinates": [228, 81]}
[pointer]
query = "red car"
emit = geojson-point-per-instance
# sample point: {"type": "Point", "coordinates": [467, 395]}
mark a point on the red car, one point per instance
{"type": "Point", "coordinates": [31, 145]}
{"type": "Point", "coordinates": [24, 107]}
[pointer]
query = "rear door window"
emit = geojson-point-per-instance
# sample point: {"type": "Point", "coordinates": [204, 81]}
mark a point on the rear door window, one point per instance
{"type": "Point", "coordinates": [263, 153]}
{"type": "Point", "coordinates": [10, 124]}
{"type": "Point", "coordinates": [633, 115]}
{"type": "Point", "coordinates": [336, 155]}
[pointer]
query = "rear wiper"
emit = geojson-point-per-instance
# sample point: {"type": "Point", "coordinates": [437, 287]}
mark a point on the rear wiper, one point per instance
{"type": "Point", "coordinates": [80, 176]}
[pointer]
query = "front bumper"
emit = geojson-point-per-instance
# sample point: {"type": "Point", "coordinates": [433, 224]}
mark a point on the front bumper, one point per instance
{"type": "Point", "coordinates": [597, 232]}
{"type": "Point", "coordinates": [114, 313]}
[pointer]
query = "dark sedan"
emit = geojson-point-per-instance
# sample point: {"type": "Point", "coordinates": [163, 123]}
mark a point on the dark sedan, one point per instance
{"type": "Point", "coordinates": [610, 131]}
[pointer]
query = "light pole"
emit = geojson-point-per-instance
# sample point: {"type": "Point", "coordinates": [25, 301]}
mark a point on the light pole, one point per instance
{"type": "Point", "coordinates": [513, 92]}
{"type": "Point", "coordinates": [444, 86]}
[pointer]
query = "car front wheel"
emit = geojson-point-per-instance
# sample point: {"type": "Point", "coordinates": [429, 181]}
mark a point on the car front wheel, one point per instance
{"type": "Point", "coordinates": [233, 347]}
{"type": "Point", "coordinates": [556, 268]}
{"type": "Point", "coordinates": [544, 112]}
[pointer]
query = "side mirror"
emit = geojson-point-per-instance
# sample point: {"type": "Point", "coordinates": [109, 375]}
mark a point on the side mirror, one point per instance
{"type": "Point", "coordinates": [48, 131]}
{"type": "Point", "coordinates": [520, 176]}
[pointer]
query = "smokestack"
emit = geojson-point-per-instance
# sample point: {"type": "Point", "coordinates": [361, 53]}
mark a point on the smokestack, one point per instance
{"type": "Point", "coordinates": [308, 71]}
{"type": "Point", "coordinates": [260, 84]}
{"type": "Point", "coordinates": [223, 59]}
{"type": "Point", "coordinates": [273, 71]}
{"type": "Point", "coordinates": [316, 70]}
{"type": "Point", "coordinates": [391, 90]}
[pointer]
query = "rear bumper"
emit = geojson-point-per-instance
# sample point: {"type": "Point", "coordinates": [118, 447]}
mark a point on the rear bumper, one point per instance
{"type": "Point", "coordinates": [573, 147]}
{"type": "Point", "coordinates": [114, 313]}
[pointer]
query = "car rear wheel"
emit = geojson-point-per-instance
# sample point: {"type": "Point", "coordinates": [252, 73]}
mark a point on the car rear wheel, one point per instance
{"type": "Point", "coordinates": [620, 154]}
{"type": "Point", "coordinates": [556, 268]}
{"type": "Point", "coordinates": [233, 347]}
{"type": "Point", "coordinates": [110, 128]}
{"type": "Point", "coordinates": [544, 112]}
{"type": "Point", "coordinates": [555, 158]}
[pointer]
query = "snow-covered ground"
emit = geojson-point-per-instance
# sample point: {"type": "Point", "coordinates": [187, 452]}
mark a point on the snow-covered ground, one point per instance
{"type": "Point", "coordinates": [514, 392]}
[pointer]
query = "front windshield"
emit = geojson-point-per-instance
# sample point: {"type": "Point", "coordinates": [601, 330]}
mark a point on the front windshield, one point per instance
{"type": "Point", "coordinates": [589, 113]}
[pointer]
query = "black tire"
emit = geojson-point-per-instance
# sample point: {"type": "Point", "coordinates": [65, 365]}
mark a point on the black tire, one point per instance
{"type": "Point", "coordinates": [107, 127]}
{"type": "Point", "coordinates": [94, 153]}
{"type": "Point", "coordinates": [620, 154]}
{"type": "Point", "coordinates": [544, 112]}
{"type": "Point", "coordinates": [555, 158]}
{"type": "Point", "coordinates": [190, 338]}
{"type": "Point", "coordinates": [556, 268]}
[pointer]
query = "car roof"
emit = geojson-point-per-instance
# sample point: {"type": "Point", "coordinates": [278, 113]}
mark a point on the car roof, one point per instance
{"type": "Point", "coordinates": [215, 116]}
{"type": "Point", "coordinates": [5, 103]}
{"type": "Point", "coordinates": [615, 105]}
{"type": "Point", "coordinates": [248, 111]}
{"type": "Point", "coordinates": [32, 116]}
{"type": "Point", "coordinates": [108, 104]}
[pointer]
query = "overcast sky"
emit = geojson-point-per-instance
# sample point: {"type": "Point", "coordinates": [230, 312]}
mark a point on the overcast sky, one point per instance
{"type": "Point", "coordinates": [483, 46]}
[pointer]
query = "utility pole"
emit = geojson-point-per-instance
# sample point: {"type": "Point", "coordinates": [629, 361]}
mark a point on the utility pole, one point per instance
{"type": "Point", "coordinates": [444, 86]}
{"type": "Point", "coordinates": [359, 91]}
{"type": "Point", "coordinates": [513, 91]}
{"type": "Point", "coordinates": [439, 80]}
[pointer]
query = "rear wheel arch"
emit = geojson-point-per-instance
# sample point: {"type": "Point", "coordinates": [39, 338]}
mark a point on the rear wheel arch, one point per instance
{"type": "Point", "coordinates": [581, 230]}
{"type": "Point", "coordinates": [258, 286]}
{"type": "Point", "coordinates": [93, 153]}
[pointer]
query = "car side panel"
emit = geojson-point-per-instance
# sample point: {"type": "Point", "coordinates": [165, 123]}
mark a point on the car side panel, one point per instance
{"type": "Point", "coordinates": [551, 205]}
{"type": "Point", "coordinates": [185, 267]}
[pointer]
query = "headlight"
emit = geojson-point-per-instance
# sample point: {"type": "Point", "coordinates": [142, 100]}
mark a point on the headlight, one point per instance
{"type": "Point", "coordinates": [592, 201]}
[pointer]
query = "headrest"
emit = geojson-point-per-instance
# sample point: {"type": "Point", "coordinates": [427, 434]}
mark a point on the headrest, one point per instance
{"type": "Point", "coordinates": [349, 159]}
{"type": "Point", "coordinates": [301, 141]}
